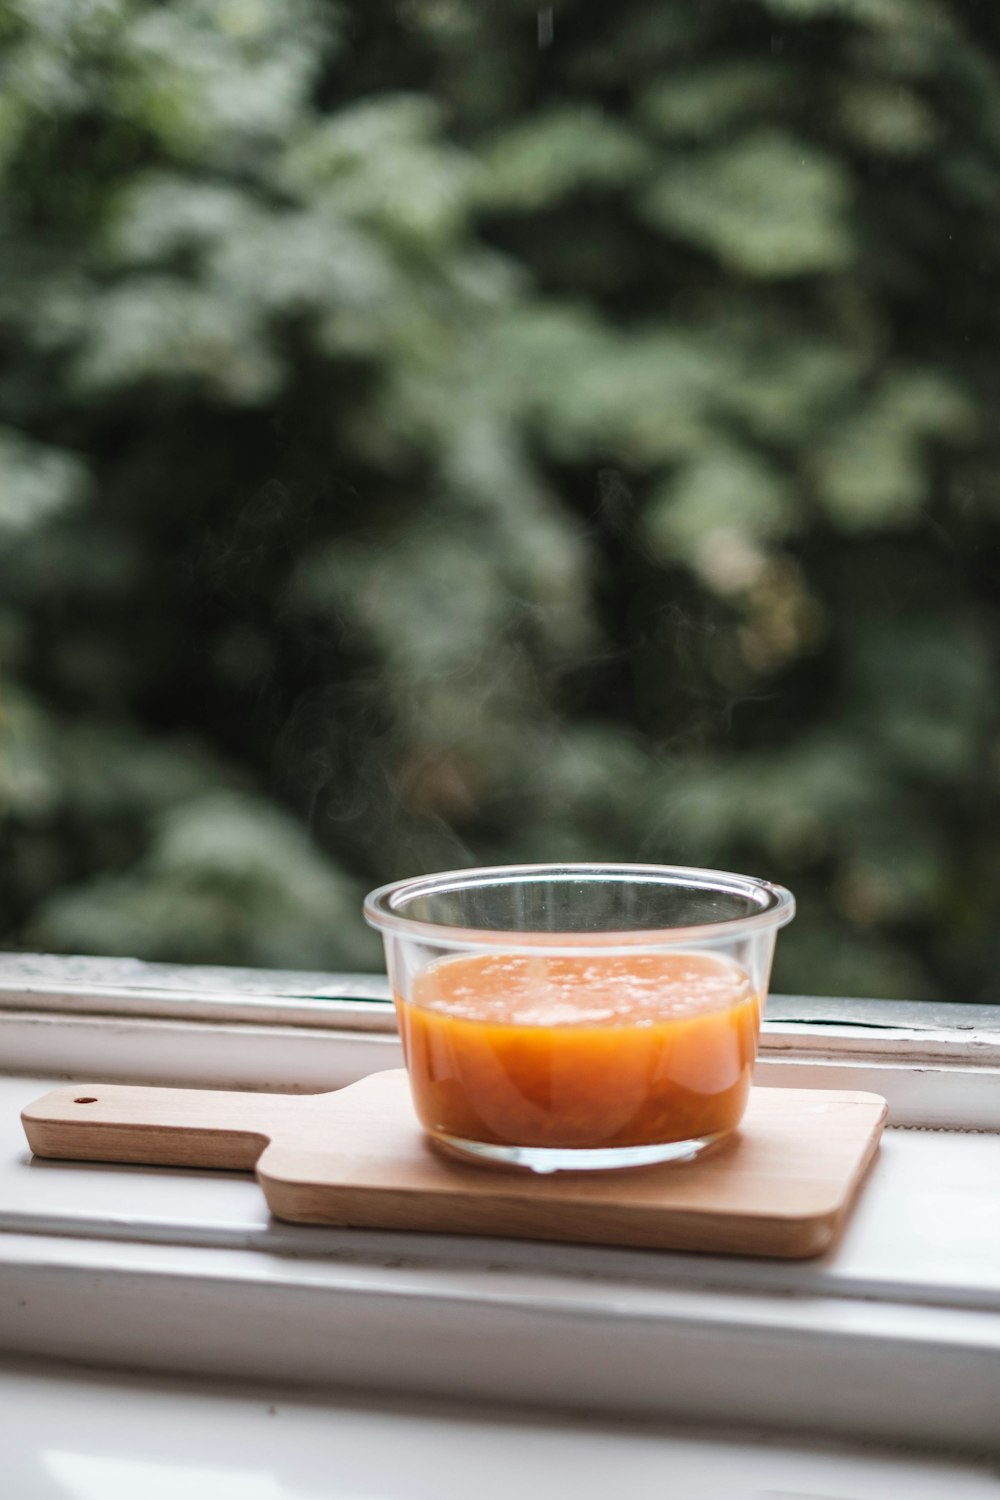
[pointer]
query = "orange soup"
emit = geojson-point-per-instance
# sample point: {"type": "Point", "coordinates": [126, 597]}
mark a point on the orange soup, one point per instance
{"type": "Point", "coordinates": [580, 1052]}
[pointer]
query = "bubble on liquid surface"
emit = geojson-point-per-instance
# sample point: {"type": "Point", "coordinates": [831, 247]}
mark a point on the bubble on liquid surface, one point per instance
{"type": "Point", "coordinates": [528, 990]}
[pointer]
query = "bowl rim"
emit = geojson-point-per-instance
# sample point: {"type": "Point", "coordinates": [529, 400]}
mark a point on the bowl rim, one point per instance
{"type": "Point", "coordinates": [776, 908]}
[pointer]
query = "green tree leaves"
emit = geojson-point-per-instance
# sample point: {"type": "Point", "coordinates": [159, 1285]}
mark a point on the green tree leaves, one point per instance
{"type": "Point", "coordinates": [767, 206]}
{"type": "Point", "coordinates": [37, 483]}
{"type": "Point", "coordinates": [420, 447]}
{"type": "Point", "coordinates": [222, 873]}
{"type": "Point", "coordinates": [872, 468]}
{"type": "Point", "coordinates": [724, 490]}
{"type": "Point", "coordinates": [557, 153]}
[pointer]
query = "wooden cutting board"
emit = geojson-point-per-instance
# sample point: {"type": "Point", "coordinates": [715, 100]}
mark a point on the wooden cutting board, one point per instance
{"type": "Point", "coordinates": [781, 1187]}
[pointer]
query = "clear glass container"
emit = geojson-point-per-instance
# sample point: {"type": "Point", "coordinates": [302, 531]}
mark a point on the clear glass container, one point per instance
{"type": "Point", "coordinates": [581, 1016]}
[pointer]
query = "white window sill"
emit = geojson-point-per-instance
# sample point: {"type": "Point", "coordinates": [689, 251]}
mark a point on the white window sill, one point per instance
{"type": "Point", "coordinates": [75, 1435]}
{"type": "Point", "coordinates": [894, 1336]}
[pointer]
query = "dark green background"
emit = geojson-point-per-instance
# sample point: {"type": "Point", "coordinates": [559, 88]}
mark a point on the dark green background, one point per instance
{"type": "Point", "coordinates": [450, 432]}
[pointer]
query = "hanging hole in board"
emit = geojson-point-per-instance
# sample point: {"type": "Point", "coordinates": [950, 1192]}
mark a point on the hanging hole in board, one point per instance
{"type": "Point", "coordinates": [87, 1099]}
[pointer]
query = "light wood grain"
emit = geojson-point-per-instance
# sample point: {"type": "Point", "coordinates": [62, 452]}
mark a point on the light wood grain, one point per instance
{"type": "Point", "coordinates": [781, 1187]}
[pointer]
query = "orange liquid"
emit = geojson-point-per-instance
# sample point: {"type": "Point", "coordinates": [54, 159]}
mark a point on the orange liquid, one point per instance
{"type": "Point", "coordinates": [584, 1052]}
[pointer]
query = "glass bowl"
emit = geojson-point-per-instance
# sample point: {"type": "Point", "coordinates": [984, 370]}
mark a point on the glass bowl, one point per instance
{"type": "Point", "coordinates": [579, 1016]}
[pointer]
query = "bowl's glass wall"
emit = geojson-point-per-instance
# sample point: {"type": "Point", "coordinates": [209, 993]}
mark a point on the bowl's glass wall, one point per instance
{"type": "Point", "coordinates": [579, 903]}
{"type": "Point", "coordinates": [540, 1015]}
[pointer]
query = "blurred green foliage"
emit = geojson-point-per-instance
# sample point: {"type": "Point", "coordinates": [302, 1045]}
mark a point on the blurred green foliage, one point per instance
{"type": "Point", "coordinates": [428, 436]}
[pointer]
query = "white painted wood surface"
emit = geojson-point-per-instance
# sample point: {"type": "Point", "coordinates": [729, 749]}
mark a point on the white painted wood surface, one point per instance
{"type": "Point", "coordinates": [925, 1229]}
{"type": "Point", "coordinates": [293, 1059]}
{"type": "Point", "coordinates": [82, 1436]}
{"type": "Point", "coordinates": [916, 1032]}
{"type": "Point", "coordinates": [896, 1336]}
{"type": "Point", "coordinates": [121, 1020]}
{"type": "Point", "coordinates": [834, 1369]}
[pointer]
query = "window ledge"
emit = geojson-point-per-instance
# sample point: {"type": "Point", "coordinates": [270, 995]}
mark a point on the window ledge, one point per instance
{"type": "Point", "coordinates": [130, 987]}
{"type": "Point", "coordinates": [102, 1436]}
{"type": "Point", "coordinates": [895, 1335]}
{"type": "Point", "coordinates": [123, 1020]}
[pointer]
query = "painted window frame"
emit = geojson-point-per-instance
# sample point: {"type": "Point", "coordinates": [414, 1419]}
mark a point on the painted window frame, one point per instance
{"type": "Point", "coordinates": [937, 1064]}
{"type": "Point", "coordinates": [767, 1351]}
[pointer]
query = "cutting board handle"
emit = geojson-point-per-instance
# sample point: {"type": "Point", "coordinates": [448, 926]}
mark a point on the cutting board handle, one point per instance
{"type": "Point", "coordinates": [168, 1127]}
